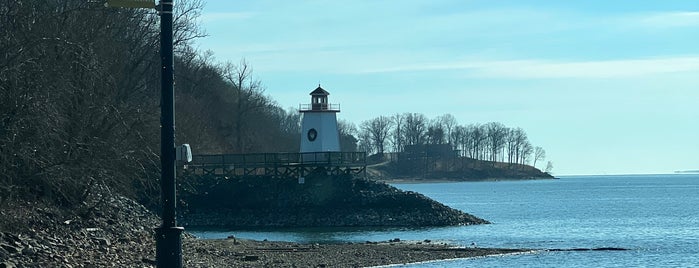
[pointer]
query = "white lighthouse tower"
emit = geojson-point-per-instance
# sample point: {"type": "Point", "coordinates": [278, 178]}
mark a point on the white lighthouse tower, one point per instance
{"type": "Point", "coordinates": [319, 131]}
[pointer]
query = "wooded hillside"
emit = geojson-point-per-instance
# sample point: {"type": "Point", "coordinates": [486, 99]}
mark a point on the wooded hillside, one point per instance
{"type": "Point", "coordinates": [80, 93]}
{"type": "Point", "coordinates": [79, 100]}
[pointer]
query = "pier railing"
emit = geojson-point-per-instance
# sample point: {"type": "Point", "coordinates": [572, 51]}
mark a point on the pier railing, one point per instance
{"type": "Point", "coordinates": [277, 164]}
{"type": "Point", "coordinates": [265, 159]}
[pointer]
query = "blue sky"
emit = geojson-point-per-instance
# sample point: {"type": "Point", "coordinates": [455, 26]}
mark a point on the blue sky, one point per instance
{"type": "Point", "coordinates": [606, 87]}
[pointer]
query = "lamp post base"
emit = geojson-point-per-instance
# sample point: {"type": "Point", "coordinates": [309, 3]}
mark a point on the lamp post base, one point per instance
{"type": "Point", "coordinates": [168, 246]}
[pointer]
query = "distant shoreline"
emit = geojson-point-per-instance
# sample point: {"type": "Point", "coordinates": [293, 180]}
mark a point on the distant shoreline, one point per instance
{"type": "Point", "coordinates": [687, 172]}
{"type": "Point", "coordinates": [450, 180]}
{"type": "Point", "coordinates": [626, 175]}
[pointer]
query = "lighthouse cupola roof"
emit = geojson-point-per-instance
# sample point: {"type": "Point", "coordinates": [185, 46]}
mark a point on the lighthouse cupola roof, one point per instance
{"type": "Point", "coordinates": [319, 91]}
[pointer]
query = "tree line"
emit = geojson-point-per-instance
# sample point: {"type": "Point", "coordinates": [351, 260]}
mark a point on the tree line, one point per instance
{"type": "Point", "coordinates": [491, 141]}
{"type": "Point", "coordinates": [80, 95]}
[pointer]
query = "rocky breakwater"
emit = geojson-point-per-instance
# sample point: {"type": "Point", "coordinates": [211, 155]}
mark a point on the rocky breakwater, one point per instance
{"type": "Point", "coordinates": [321, 200]}
{"type": "Point", "coordinates": [108, 230]}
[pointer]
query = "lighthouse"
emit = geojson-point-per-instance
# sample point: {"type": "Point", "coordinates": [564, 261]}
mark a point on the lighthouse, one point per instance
{"type": "Point", "coordinates": [319, 131]}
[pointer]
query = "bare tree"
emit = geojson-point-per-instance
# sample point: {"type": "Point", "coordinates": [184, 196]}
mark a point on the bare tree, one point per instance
{"type": "Point", "coordinates": [516, 138]}
{"type": "Point", "coordinates": [77, 102]}
{"type": "Point", "coordinates": [435, 132]}
{"type": "Point", "coordinates": [549, 167]}
{"type": "Point", "coordinates": [379, 129]}
{"type": "Point", "coordinates": [291, 122]}
{"type": "Point", "coordinates": [79, 99]}
{"type": "Point", "coordinates": [185, 28]}
{"type": "Point", "coordinates": [248, 99]}
{"type": "Point", "coordinates": [348, 133]}
{"type": "Point", "coordinates": [539, 154]}
{"type": "Point", "coordinates": [511, 145]}
{"type": "Point", "coordinates": [496, 134]}
{"type": "Point", "coordinates": [526, 153]}
{"type": "Point", "coordinates": [201, 95]}
{"type": "Point", "coordinates": [448, 123]}
{"type": "Point", "coordinates": [459, 139]}
{"type": "Point", "coordinates": [415, 129]}
{"type": "Point", "coordinates": [398, 135]}
{"type": "Point", "coordinates": [475, 141]}
{"type": "Point", "coordinates": [365, 141]}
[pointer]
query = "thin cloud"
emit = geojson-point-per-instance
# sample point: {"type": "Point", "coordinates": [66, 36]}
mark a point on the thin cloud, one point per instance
{"type": "Point", "coordinates": [226, 16]}
{"type": "Point", "coordinates": [668, 19]}
{"type": "Point", "coordinates": [590, 69]}
{"type": "Point", "coordinates": [534, 68]}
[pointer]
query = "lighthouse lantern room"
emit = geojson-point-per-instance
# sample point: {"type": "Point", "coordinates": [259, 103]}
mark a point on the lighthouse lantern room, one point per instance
{"type": "Point", "coordinates": [319, 131]}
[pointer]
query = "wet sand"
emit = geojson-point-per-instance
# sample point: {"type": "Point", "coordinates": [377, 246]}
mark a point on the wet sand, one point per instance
{"type": "Point", "coordinates": [249, 253]}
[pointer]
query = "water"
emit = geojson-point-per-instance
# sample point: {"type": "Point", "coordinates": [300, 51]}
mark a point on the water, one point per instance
{"type": "Point", "coordinates": [655, 216]}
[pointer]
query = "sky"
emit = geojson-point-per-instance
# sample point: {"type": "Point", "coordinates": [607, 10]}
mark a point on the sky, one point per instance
{"type": "Point", "coordinates": [605, 87]}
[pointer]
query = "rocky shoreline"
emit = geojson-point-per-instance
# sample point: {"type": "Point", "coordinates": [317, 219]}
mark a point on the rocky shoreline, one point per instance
{"type": "Point", "coordinates": [107, 230]}
{"type": "Point", "coordinates": [110, 230]}
{"type": "Point", "coordinates": [114, 231]}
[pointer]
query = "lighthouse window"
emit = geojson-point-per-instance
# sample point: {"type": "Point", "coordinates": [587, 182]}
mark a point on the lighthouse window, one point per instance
{"type": "Point", "coordinates": [312, 134]}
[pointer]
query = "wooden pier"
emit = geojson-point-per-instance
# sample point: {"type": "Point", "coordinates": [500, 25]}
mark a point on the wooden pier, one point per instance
{"type": "Point", "coordinates": [276, 165]}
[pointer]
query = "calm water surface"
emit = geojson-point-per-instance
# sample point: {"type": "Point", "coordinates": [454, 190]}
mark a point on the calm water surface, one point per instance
{"type": "Point", "coordinates": [656, 216]}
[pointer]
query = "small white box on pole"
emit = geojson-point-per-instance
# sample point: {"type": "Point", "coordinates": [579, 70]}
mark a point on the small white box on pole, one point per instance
{"type": "Point", "coordinates": [184, 153]}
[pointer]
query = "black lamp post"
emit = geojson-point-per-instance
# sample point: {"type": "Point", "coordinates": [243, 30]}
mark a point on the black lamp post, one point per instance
{"type": "Point", "coordinates": [168, 241]}
{"type": "Point", "coordinates": [168, 237]}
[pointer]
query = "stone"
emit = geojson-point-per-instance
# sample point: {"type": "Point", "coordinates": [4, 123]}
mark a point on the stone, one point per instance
{"type": "Point", "coordinates": [29, 251]}
{"type": "Point", "coordinates": [251, 258]}
{"type": "Point", "coordinates": [10, 249]}
{"type": "Point", "coordinates": [11, 237]}
{"type": "Point", "coordinates": [103, 241]}
{"type": "Point", "coordinates": [148, 261]}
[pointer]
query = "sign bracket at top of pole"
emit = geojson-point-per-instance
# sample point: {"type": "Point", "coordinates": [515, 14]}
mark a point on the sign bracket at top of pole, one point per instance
{"type": "Point", "coordinates": [130, 3]}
